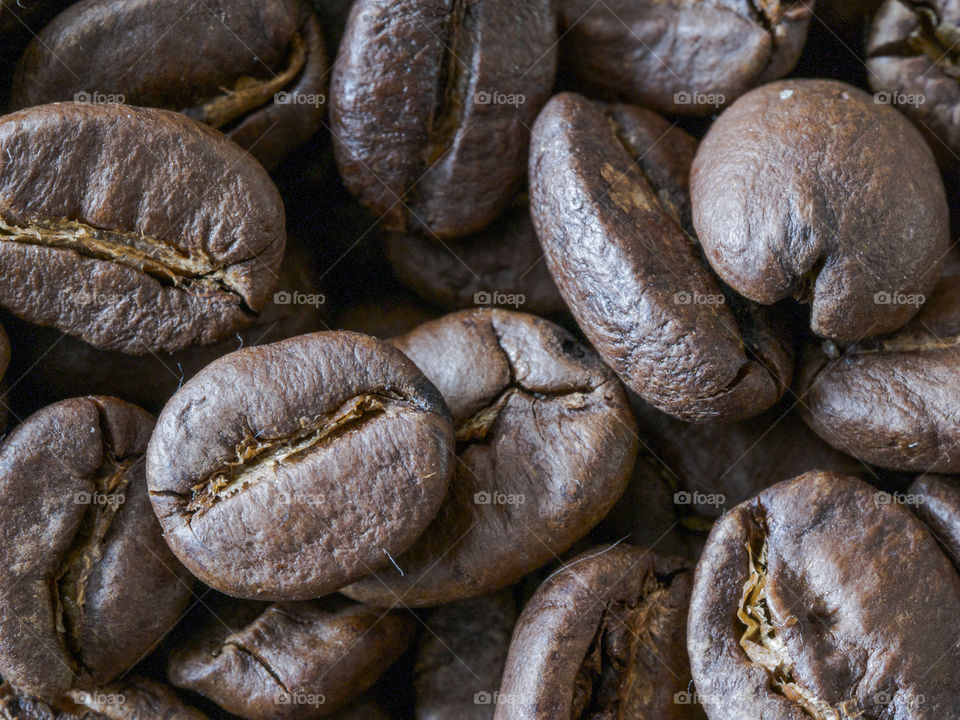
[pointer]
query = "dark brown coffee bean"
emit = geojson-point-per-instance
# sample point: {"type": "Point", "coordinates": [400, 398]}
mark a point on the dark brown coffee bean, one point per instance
{"type": "Point", "coordinates": [88, 586]}
{"type": "Point", "coordinates": [545, 443]}
{"type": "Point", "coordinates": [460, 661]}
{"type": "Point", "coordinates": [603, 637]}
{"type": "Point", "coordinates": [172, 228]}
{"type": "Point", "coordinates": [502, 265]}
{"type": "Point", "coordinates": [432, 104]}
{"type": "Point", "coordinates": [892, 401]}
{"type": "Point", "coordinates": [290, 660]}
{"type": "Point", "coordinates": [608, 197]}
{"type": "Point", "coordinates": [135, 698]}
{"type": "Point", "coordinates": [678, 56]}
{"type": "Point", "coordinates": [914, 65]}
{"type": "Point", "coordinates": [286, 471]}
{"type": "Point", "coordinates": [687, 475]}
{"type": "Point", "coordinates": [807, 602]}
{"type": "Point", "coordinates": [257, 71]}
{"type": "Point", "coordinates": [936, 499]}
{"type": "Point", "coordinates": [837, 203]}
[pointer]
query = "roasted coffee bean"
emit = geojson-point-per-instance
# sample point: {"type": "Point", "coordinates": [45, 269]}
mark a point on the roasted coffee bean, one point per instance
{"type": "Point", "coordinates": [936, 499]}
{"type": "Point", "coordinates": [687, 475]}
{"type": "Point", "coordinates": [502, 265]}
{"type": "Point", "coordinates": [136, 698]}
{"type": "Point", "coordinates": [603, 637]}
{"type": "Point", "coordinates": [4, 364]}
{"type": "Point", "coordinates": [135, 229]}
{"type": "Point", "coordinates": [298, 306]}
{"type": "Point", "coordinates": [88, 585]}
{"type": "Point", "coordinates": [815, 599]}
{"type": "Point", "coordinates": [680, 56]}
{"type": "Point", "coordinates": [255, 70]}
{"type": "Point", "coordinates": [837, 203]}
{"type": "Point", "coordinates": [285, 471]}
{"type": "Point", "coordinates": [432, 104]}
{"type": "Point", "coordinates": [545, 443]}
{"type": "Point", "coordinates": [290, 660]}
{"type": "Point", "coordinates": [914, 64]}
{"type": "Point", "coordinates": [892, 400]}
{"type": "Point", "coordinates": [609, 198]}
{"type": "Point", "coordinates": [460, 661]}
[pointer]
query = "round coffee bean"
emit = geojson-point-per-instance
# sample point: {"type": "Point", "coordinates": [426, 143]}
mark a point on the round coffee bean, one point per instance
{"type": "Point", "coordinates": [255, 70]}
{"type": "Point", "coordinates": [682, 57]}
{"type": "Point", "coordinates": [460, 661]}
{"type": "Point", "coordinates": [892, 401]}
{"type": "Point", "coordinates": [432, 104]}
{"type": "Point", "coordinates": [837, 202]}
{"type": "Point", "coordinates": [913, 65]}
{"type": "Point", "coordinates": [286, 471]}
{"type": "Point", "coordinates": [135, 229]}
{"type": "Point", "coordinates": [936, 499]}
{"type": "Point", "coordinates": [603, 637]}
{"type": "Point", "coordinates": [807, 603]}
{"type": "Point", "coordinates": [88, 586]}
{"type": "Point", "coordinates": [290, 660]}
{"type": "Point", "coordinates": [545, 443]}
{"type": "Point", "coordinates": [609, 198]}
{"type": "Point", "coordinates": [502, 265]}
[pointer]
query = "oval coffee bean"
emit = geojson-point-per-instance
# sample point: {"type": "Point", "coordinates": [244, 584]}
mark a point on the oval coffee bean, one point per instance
{"type": "Point", "coordinates": [432, 104]}
{"type": "Point", "coordinates": [680, 57]}
{"type": "Point", "coordinates": [608, 197]}
{"type": "Point", "coordinates": [545, 443]}
{"type": "Point", "coordinates": [135, 229]}
{"type": "Point", "coordinates": [255, 70]}
{"type": "Point", "coordinates": [135, 698]}
{"type": "Point", "coordinates": [936, 500]}
{"type": "Point", "coordinates": [913, 64]}
{"type": "Point", "coordinates": [892, 401]}
{"type": "Point", "coordinates": [290, 660]}
{"type": "Point", "coordinates": [88, 586]}
{"type": "Point", "coordinates": [460, 661]}
{"type": "Point", "coordinates": [502, 265]}
{"type": "Point", "coordinates": [807, 603]}
{"type": "Point", "coordinates": [286, 471]}
{"type": "Point", "coordinates": [837, 203]}
{"type": "Point", "coordinates": [604, 636]}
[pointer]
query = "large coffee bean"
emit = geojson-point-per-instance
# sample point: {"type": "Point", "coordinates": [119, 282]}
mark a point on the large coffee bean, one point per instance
{"type": "Point", "coordinates": [807, 603]}
{"type": "Point", "coordinates": [432, 104]}
{"type": "Point", "coordinates": [545, 443]}
{"type": "Point", "coordinates": [609, 199]}
{"type": "Point", "coordinates": [603, 637]}
{"type": "Point", "coordinates": [680, 56]}
{"type": "Point", "coordinates": [286, 471]}
{"type": "Point", "coordinates": [88, 585]}
{"type": "Point", "coordinates": [810, 189]}
{"type": "Point", "coordinates": [175, 230]}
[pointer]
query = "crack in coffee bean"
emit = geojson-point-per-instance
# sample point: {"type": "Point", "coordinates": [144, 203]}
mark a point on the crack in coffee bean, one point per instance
{"type": "Point", "coordinates": [257, 459]}
{"type": "Point", "coordinates": [256, 659]}
{"type": "Point", "coordinates": [250, 93]}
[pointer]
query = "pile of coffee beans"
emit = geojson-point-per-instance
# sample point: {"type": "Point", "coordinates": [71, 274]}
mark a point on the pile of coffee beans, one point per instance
{"type": "Point", "coordinates": [479, 360]}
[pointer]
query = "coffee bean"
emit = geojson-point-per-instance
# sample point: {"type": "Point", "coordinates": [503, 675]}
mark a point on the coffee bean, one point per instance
{"type": "Point", "coordinates": [603, 637]}
{"type": "Point", "coordinates": [89, 586]}
{"type": "Point", "coordinates": [677, 56]}
{"type": "Point", "coordinates": [460, 661]}
{"type": "Point", "coordinates": [807, 602]}
{"type": "Point", "coordinates": [609, 198]}
{"type": "Point", "coordinates": [134, 229]}
{"type": "Point", "coordinates": [545, 443]}
{"type": "Point", "coordinates": [502, 265]}
{"type": "Point", "coordinates": [892, 400]}
{"type": "Point", "coordinates": [936, 500]}
{"type": "Point", "coordinates": [285, 471]}
{"type": "Point", "coordinates": [837, 203]}
{"type": "Point", "coordinates": [432, 105]}
{"type": "Point", "coordinates": [289, 660]}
